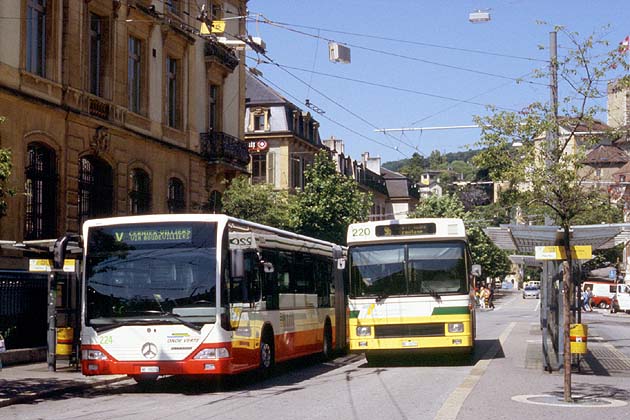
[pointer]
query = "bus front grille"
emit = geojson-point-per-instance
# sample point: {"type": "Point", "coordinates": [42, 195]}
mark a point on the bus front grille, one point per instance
{"type": "Point", "coordinates": [409, 330]}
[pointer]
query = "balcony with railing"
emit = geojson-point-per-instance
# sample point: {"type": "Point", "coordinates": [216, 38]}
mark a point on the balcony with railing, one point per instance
{"type": "Point", "coordinates": [222, 148]}
{"type": "Point", "coordinates": [220, 53]}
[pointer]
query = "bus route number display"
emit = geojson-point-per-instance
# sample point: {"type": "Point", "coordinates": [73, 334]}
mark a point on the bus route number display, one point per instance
{"type": "Point", "coordinates": [411, 229]}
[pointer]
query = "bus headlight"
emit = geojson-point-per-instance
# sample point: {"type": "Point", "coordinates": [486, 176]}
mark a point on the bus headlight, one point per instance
{"type": "Point", "coordinates": [219, 353]}
{"type": "Point", "coordinates": [456, 327]}
{"type": "Point", "coordinates": [364, 331]}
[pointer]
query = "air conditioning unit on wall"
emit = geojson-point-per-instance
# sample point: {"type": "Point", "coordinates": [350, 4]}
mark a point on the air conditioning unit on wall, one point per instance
{"type": "Point", "coordinates": [338, 53]}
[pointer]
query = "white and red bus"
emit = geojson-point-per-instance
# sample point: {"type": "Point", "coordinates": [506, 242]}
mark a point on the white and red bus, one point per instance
{"type": "Point", "coordinates": [203, 295]}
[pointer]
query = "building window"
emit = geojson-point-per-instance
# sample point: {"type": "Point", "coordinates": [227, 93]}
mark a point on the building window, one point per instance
{"type": "Point", "coordinates": [215, 202]}
{"type": "Point", "coordinates": [96, 51]}
{"type": "Point", "coordinates": [622, 178]}
{"type": "Point", "coordinates": [214, 10]}
{"type": "Point", "coordinates": [259, 122]}
{"type": "Point", "coordinates": [172, 92]}
{"type": "Point", "coordinates": [36, 37]}
{"type": "Point", "coordinates": [213, 107]}
{"type": "Point", "coordinates": [176, 201]}
{"type": "Point", "coordinates": [96, 189]}
{"type": "Point", "coordinates": [134, 74]}
{"type": "Point", "coordinates": [173, 6]}
{"type": "Point", "coordinates": [140, 195]}
{"type": "Point", "coordinates": [41, 193]}
{"type": "Point", "coordinates": [297, 170]}
{"type": "Point", "coordinates": [259, 168]}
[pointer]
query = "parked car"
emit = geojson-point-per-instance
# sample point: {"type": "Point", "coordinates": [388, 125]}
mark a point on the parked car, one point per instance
{"type": "Point", "coordinates": [531, 292]}
{"type": "Point", "coordinates": [621, 300]}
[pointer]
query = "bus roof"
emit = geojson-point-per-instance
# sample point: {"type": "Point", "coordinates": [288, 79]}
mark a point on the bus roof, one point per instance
{"type": "Point", "coordinates": [221, 219]}
{"type": "Point", "coordinates": [383, 231]}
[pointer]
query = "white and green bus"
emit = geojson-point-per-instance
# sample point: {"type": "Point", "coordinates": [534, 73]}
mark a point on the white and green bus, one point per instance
{"type": "Point", "coordinates": [411, 287]}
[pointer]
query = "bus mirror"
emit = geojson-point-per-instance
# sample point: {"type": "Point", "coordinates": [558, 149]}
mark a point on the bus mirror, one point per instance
{"type": "Point", "coordinates": [59, 252]}
{"type": "Point", "coordinates": [268, 267]}
{"type": "Point", "coordinates": [475, 270]}
{"type": "Point", "coordinates": [341, 264]}
{"type": "Point", "coordinates": [337, 252]}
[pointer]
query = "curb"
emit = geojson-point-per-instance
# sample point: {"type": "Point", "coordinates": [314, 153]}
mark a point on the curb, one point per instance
{"type": "Point", "coordinates": [20, 399]}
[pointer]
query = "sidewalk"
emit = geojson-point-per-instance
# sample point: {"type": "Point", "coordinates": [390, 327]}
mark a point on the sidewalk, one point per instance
{"type": "Point", "coordinates": [28, 382]}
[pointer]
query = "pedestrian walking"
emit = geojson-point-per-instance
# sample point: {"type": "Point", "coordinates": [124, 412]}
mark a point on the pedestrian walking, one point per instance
{"type": "Point", "coordinates": [586, 305]}
{"type": "Point", "coordinates": [491, 298]}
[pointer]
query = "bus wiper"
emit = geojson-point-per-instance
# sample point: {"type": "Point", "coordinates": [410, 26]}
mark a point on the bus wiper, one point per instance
{"type": "Point", "coordinates": [433, 293]}
{"type": "Point", "coordinates": [381, 296]}
{"type": "Point", "coordinates": [182, 321]}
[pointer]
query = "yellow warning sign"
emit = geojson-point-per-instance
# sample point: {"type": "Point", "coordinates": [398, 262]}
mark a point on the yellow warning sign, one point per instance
{"type": "Point", "coordinates": [218, 26]}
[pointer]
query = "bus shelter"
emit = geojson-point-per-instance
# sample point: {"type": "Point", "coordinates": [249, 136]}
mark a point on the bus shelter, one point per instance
{"type": "Point", "coordinates": [522, 240]}
{"type": "Point", "coordinates": [63, 294]}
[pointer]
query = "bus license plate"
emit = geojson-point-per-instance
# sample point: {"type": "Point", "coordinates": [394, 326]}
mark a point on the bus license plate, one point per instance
{"type": "Point", "coordinates": [410, 344]}
{"type": "Point", "coordinates": [149, 369]}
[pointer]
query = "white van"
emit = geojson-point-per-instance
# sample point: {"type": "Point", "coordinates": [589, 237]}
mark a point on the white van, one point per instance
{"type": "Point", "coordinates": [621, 299]}
{"type": "Point", "coordinates": [602, 292]}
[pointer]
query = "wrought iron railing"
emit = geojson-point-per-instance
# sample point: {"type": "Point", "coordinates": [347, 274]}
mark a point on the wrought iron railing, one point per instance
{"type": "Point", "coordinates": [224, 54]}
{"type": "Point", "coordinates": [217, 146]}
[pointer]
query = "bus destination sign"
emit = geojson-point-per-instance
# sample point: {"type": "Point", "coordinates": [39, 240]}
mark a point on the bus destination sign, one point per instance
{"type": "Point", "coordinates": [411, 229]}
{"type": "Point", "coordinates": [148, 235]}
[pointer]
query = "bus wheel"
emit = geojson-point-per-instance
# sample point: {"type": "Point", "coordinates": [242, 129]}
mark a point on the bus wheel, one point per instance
{"type": "Point", "coordinates": [327, 346]}
{"type": "Point", "coordinates": [267, 356]}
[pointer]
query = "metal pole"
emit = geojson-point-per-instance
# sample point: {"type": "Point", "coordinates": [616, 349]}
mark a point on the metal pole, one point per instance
{"type": "Point", "coordinates": [51, 355]}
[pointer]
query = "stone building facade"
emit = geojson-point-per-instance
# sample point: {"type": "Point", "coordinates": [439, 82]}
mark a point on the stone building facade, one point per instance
{"type": "Point", "coordinates": [115, 108]}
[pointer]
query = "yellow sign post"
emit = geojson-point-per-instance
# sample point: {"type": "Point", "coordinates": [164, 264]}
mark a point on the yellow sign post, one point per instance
{"type": "Point", "coordinates": [578, 252]}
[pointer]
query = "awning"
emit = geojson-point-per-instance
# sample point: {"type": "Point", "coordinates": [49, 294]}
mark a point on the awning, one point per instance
{"type": "Point", "coordinates": [524, 238]}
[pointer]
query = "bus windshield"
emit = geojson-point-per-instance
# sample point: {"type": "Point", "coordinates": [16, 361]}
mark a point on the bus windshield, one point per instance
{"type": "Point", "coordinates": [384, 270]}
{"type": "Point", "coordinates": [164, 273]}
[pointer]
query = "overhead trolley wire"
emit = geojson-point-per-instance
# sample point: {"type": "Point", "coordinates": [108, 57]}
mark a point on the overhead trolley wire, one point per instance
{"type": "Point", "coordinates": [383, 38]}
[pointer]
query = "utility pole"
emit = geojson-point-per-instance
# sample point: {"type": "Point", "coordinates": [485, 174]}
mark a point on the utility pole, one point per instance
{"type": "Point", "coordinates": [567, 270]}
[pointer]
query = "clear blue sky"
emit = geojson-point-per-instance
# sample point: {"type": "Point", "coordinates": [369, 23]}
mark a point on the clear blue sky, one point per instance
{"type": "Point", "coordinates": [417, 63]}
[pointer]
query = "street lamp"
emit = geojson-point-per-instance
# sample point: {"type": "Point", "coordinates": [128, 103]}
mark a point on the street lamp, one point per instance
{"type": "Point", "coordinates": [479, 16]}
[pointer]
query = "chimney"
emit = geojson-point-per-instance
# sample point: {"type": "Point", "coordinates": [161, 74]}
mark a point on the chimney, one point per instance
{"type": "Point", "coordinates": [371, 163]}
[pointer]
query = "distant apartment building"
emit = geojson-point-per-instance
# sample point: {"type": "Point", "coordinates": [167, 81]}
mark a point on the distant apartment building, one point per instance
{"type": "Point", "coordinates": [283, 139]}
{"type": "Point", "coordinates": [393, 194]}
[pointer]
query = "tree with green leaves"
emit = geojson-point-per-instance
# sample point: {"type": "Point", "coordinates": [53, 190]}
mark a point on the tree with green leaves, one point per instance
{"type": "Point", "coordinates": [329, 203]}
{"type": "Point", "coordinates": [494, 261]}
{"type": "Point", "coordinates": [547, 169]}
{"type": "Point", "coordinates": [5, 173]}
{"type": "Point", "coordinates": [258, 203]}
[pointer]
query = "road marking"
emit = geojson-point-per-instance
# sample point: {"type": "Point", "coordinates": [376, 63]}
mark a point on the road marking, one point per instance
{"type": "Point", "coordinates": [454, 402]}
{"type": "Point", "coordinates": [499, 307]}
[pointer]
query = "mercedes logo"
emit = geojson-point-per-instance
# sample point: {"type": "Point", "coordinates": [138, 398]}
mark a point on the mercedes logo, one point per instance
{"type": "Point", "coordinates": [149, 350]}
